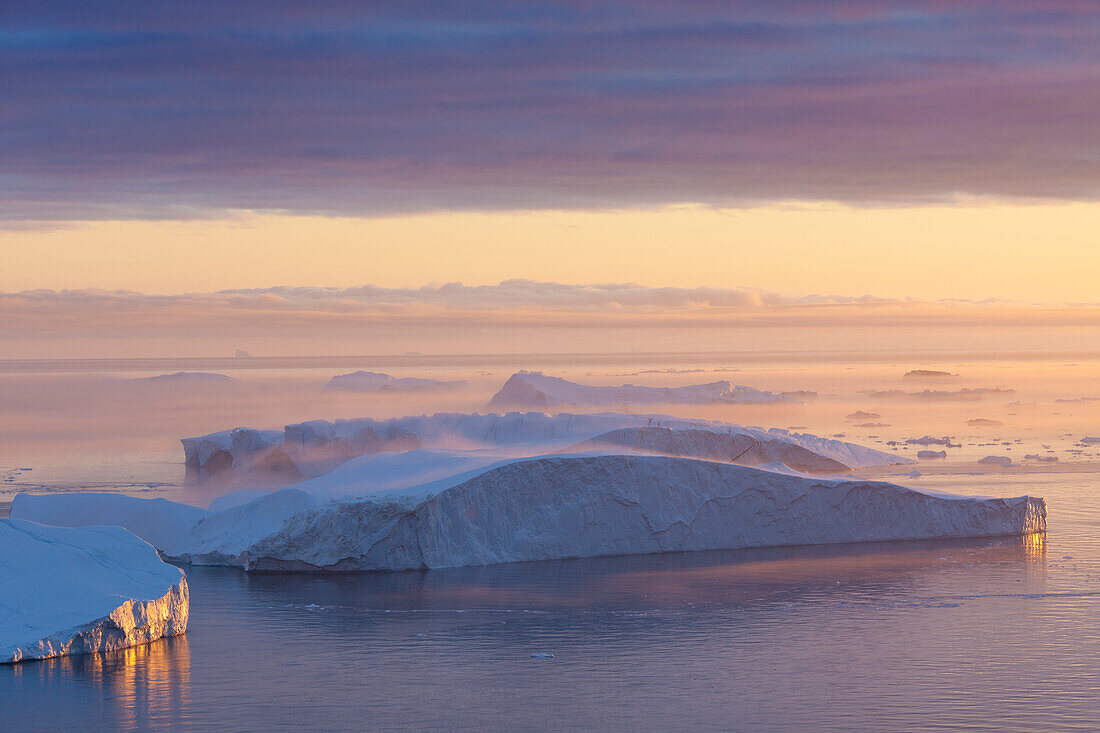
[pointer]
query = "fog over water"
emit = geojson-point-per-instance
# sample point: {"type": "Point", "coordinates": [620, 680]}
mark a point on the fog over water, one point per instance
{"type": "Point", "coordinates": [987, 634]}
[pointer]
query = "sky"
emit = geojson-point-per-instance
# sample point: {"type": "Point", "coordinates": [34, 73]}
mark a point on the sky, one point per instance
{"type": "Point", "coordinates": [917, 150]}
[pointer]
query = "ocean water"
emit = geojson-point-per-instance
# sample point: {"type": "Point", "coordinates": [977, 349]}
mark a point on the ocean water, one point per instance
{"type": "Point", "coordinates": [985, 635]}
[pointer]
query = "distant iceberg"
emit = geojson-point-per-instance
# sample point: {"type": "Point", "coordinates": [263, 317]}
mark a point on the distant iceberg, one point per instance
{"type": "Point", "coordinates": [742, 448]}
{"type": "Point", "coordinates": [186, 378]}
{"type": "Point", "coordinates": [73, 590]}
{"type": "Point", "coordinates": [378, 382]}
{"type": "Point", "coordinates": [536, 390]}
{"type": "Point", "coordinates": [313, 448]}
{"type": "Point", "coordinates": [435, 509]}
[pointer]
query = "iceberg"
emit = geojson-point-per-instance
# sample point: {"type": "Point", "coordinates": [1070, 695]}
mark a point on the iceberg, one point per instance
{"type": "Point", "coordinates": [436, 509]}
{"type": "Point", "coordinates": [739, 448]}
{"type": "Point", "coordinates": [378, 382]}
{"type": "Point", "coordinates": [930, 454]}
{"type": "Point", "coordinates": [73, 590]}
{"type": "Point", "coordinates": [535, 389]}
{"type": "Point", "coordinates": [228, 451]}
{"type": "Point", "coordinates": [186, 378]}
{"type": "Point", "coordinates": [315, 447]}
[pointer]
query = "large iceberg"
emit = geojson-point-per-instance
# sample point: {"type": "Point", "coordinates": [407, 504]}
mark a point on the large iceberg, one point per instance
{"type": "Point", "coordinates": [435, 509]}
{"type": "Point", "coordinates": [315, 447]}
{"type": "Point", "coordinates": [72, 590]}
{"type": "Point", "coordinates": [535, 390]}
{"type": "Point", "coordinates": [378, 382]}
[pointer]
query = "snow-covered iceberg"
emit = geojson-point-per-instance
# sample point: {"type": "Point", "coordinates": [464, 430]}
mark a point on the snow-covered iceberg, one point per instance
{"type": "Point", "coordinates": [378, 382]}
{"type": "Point", "coordinates": [536, 390]}
{"type": "Point", "coordinates": [72, 590]}
{"type": "Point", "coordinates": [434, 509]}
{"type": "Point", "coordinates": [318, 446]}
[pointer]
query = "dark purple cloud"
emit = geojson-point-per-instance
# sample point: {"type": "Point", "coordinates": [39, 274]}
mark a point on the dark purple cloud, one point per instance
{"type": "Point", "coordinates": [124, 109]}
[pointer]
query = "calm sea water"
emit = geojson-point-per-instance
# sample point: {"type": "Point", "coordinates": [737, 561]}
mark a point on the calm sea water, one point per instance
{"type": "Point", "coordinates": [982, 635]}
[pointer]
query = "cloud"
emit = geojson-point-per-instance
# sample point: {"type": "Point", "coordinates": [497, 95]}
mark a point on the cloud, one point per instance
{"type": "Point", "coordinates": [144, 110]}
{"type": "Point", "coordinates": [514, 303]}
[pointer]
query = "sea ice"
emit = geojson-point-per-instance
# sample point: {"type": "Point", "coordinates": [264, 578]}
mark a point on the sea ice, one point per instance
{"type": "Point", "coordinates": [73, 590]}
{"type": "Point", "coordinates": [996, 460]}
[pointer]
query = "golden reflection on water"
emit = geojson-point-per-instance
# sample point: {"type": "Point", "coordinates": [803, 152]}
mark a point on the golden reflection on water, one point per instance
{"type": "Point", "coordinates": [146, 683]}
{"type": "Point", "coordinates": [1035, 552]}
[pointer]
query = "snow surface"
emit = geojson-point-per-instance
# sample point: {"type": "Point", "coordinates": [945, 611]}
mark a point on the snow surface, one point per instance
{"type": "Point", "coordinates": [318, 446]}
{"type": "Point", "coordinates": [378, 382]}
{"type": "Point", "coordinates": [535, 389]}
{"type": "Point", "coordinates": [72, 590]}
{"type": "Point", "coordinates": [428, 509]}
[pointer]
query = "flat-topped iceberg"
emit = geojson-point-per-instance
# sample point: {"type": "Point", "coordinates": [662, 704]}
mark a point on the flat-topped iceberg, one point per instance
{"type": "Point", "coordinates": [378, 382]}
{"type": "Point", "coordinates": [73, 590]}
{"type": "Point", "coordinates": [318, 446]}
{"type": "Point", "coordinates": [536, 390]}
{"type": "Point", "coordinates": [434, 509]}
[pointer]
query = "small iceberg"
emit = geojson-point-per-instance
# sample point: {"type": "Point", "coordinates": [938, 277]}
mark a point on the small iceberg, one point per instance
{"type": "Point", "coordinates": [74, 590]}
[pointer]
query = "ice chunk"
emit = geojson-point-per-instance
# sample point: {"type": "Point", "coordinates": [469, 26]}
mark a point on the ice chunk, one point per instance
{"type": "Point", "coordinates": [929, 440]}
{"type": "Point", "coordinates": [996, 460]}
{"type": "Point", "coordinates": [928, 454]}
{"type": "Point", "coordinates": [72, 590]}
{"type": "Point", "coordinates": [929, 374]}
{"type": "Point", "coordinates": [862, 415]}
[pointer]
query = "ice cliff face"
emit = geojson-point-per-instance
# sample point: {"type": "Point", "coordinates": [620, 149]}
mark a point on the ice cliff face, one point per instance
{"type": "Point", "coordinates": [72, 590]}
{"type": "Point", "coordinates": [378, 382]}
{"type": "Point", "coordinates": [536, 390]}
{"type": "Point", "coordinates": [482, 511]}
{"type": "Point", "coordinates": [228, 451]}
{"type": "Point", "coordinates": [318, 446]}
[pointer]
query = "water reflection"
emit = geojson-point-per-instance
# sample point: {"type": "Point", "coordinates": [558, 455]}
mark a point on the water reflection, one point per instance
{"type": "Point", "coordinates": [138, 688]}
{"type": "Point", "coordinates": [685, 580]}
